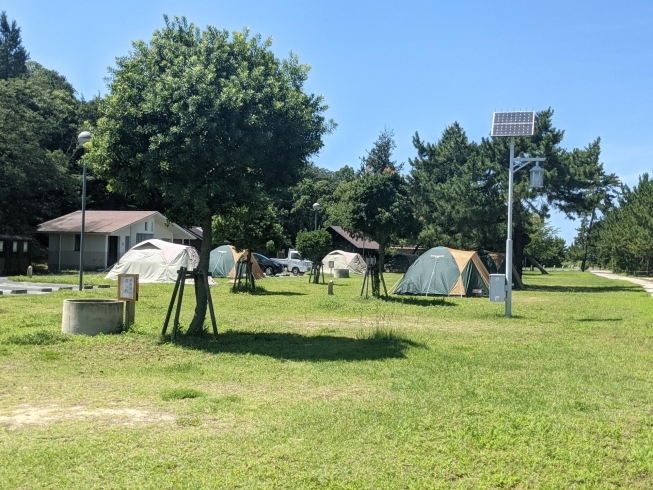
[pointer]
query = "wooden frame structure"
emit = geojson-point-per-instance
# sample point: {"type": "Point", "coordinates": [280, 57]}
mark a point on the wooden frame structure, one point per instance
{"type": "Point", "coordinates": [182, 275]}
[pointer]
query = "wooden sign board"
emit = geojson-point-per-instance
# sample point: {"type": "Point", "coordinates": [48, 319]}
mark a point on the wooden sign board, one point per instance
{"type": "Point", "coordinates": [127, 287]}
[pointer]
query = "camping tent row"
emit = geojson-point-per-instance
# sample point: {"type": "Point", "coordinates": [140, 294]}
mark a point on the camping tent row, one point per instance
{"type": "Point", "coordinates": [158, 261]}
{"type": "Point", "coordinates": [443, 271]}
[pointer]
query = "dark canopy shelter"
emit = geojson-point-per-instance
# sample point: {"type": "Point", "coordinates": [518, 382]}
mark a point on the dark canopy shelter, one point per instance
{"type": "Point", "coordinates": [495, 263]}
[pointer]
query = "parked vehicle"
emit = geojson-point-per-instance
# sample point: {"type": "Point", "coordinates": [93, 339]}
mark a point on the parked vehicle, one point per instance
{"type": "Point", "coordinates": [269, 266]}
{"type": "Point", "coordinates": [295, 264]}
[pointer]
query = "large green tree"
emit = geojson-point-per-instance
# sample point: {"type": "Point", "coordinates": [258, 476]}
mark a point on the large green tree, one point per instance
{"type": "Point", "coordinates": [203, 119]}
{"type": "Point", "coordinates": [38, 124]}
{"type": "Point", "coordinates": [376, 205]}
{"type": "Point", "coordinates": [601, 191]}
{"type": "Point", "coordinates": [460, 187]}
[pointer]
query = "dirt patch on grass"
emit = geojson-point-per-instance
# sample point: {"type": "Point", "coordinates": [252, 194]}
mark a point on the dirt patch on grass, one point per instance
{"type": "Point", "coordinates": [28, 415]}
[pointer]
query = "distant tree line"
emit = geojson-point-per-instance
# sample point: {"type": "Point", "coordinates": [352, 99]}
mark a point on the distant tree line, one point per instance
{"type": "Point", "coordinates": [621, 236]}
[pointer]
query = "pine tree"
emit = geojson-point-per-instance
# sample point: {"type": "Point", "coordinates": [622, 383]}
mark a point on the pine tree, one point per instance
{"type": "Point", "coordinates": [13, 57]}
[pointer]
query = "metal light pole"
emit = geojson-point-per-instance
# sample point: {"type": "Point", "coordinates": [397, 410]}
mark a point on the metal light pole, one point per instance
{"type": "Point", "coordinates": [316, 208]}
{"type": "Point", "coordinates": [84, 137]}
{"type": "Point", "coordinates": [515, 124]}
{"type": "Point", "coordinates": [536, 179]}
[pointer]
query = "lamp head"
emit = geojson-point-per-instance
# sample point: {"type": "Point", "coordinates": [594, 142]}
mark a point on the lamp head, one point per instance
{"type": "Point", "coordinates": [84, 137]}
{"type": "Point", "coordinates": [537, 176]}
{"type": "Point", "coordinates": [316, 206]}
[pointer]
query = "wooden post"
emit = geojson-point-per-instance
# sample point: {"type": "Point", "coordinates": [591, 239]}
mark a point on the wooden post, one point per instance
{"type": "Point", "coordinates": [172, 302]}
{"type": "Point", "coordinates": [330, 288]}
{"type": "Point", "coordinates": [130, 313]}
{"type": "Point", "coordinates": [210, 301]}
{"type": "Point", "coordinates": [128, 292]}
{"type": "Point", "coordinates": [175, 325]}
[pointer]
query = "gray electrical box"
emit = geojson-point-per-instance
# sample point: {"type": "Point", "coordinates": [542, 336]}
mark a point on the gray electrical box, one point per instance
{"type": "Point", "coordinates": [497, 288]}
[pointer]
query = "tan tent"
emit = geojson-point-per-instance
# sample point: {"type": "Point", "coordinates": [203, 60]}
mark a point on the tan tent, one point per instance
{"type": "Point", "coordinates": [224, 262]}
{"type": "Point", "coordinates": [155, 261]}
{"type": "Point", "coordinates": [344, 260]}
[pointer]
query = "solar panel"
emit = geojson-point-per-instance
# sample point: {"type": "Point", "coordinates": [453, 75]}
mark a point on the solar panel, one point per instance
{"type": "Point", "coordinates": [513, 124]}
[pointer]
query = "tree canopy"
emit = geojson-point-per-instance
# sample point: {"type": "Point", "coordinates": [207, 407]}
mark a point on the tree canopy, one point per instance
{"type": "Point", "coordinates": [625, 235]}
{"type": "Point", "coordinates": [459, 188]}
{"type": "Point", "coordinates": [205, 119]}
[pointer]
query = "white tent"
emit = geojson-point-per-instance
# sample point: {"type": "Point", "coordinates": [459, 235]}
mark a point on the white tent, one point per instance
{"type": "Point", "coordinates": [344, 260]}
{"type": "Point", "coordinates": [155, 261]}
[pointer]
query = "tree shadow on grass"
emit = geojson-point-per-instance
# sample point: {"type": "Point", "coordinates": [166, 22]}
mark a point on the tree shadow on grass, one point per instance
{"type": "Point", "coordinates": [599, 319]}
{"type": "Point", "coordinates": [259, 291]}
{"type": "Point", "coordinates": [433, 301]}
{"type": "Point", "coordinates": [376, 345]}
{"type": "Point", "coordinates": [585, 289]}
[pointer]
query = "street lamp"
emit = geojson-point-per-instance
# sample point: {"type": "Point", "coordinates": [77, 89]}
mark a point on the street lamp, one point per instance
{"type": "Point", "coordinates": [84, 137]}
{"type": "Point", "coordinates": [316, 208]}
{"type": "Point", "coordinates": [511, 124]}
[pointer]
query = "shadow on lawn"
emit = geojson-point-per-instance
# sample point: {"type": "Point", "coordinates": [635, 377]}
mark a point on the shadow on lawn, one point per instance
{"type": "Point", "coordinates": [295, 347]}
{"type": "Point", "coordinates": [599, 319]}
{"type": "Point", "coordinates": [420, 300]}
{"type": "Point", "coordinates": [584, 289]}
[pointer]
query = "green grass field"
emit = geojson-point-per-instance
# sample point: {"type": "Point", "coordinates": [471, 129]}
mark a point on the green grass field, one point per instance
{"type": "Point", "coordinates": [304, 390]}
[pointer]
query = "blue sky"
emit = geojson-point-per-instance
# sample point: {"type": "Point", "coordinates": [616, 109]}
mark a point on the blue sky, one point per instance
{"type": "Point", "coordinates": [409, 66]}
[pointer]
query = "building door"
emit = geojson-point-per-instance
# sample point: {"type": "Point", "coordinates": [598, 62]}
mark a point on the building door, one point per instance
{"type": "Point", "coordinates": [112, 258]}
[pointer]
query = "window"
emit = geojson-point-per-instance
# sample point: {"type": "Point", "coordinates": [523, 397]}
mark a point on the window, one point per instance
{"type": "Point", "coordinates": [141, 237]}
{"type": "Point", "coordinates": [25, 247]}
{"type": "Point", "coordinates": [146, 226]}
{"type": "Point", "coordinates": [78, 238]}
{"type": "Point", "coordinates": [15, 247]}
{"type": "Point", "coordinates": [2, 246]}
{"type": "Point", "coordinates": [127, 240]}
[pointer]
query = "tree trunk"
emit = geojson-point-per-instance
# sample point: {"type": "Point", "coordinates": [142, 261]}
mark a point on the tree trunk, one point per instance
{"type": "Point", "coordinates": [250, 272]}
{"type": "Point", "coordinates": [377, 271]}
{"type": "Point", "coordinates": [317, 267]}
{"type": "Point", "coordinates": [197, 325]}
{"type": "Point", "coordinates": [587, 242]}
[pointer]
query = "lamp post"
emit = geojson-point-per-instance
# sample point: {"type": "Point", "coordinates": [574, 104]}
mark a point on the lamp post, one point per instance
{"type": "Point", "coordinates": [84, 137]}
{"type": "Point", "coordinates": [316, 208]}
{"type": "Point", "coordinates": [515, 124]}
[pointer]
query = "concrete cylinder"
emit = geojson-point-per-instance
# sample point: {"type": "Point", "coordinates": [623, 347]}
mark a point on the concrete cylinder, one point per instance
{"type": "Point", "coordinates": [92, 316]}
{"type": "Point", "coordinates": [340, 273]}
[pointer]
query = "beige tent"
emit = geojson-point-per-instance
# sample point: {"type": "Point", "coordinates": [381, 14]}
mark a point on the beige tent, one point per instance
{"type": "Point", "coordinates": [155, 261]}
{"type": "Point", "coordinates": [224, 261]}
{"type": "Point", "coordinates": [344, 260]}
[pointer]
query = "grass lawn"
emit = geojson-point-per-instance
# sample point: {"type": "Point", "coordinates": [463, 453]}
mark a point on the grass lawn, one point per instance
{"type": "Point", "coordinates": [304, 390]}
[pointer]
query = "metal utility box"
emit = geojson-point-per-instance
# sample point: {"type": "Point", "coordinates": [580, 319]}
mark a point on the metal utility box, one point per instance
{"type": "Point", "coordinates": [497, 288]}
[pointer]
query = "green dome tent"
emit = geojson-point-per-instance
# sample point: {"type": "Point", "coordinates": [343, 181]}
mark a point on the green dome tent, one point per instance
{"type": "Point", "coordinates": [221, 261]}
{"type": "Point", "coordinates": [443, 271]}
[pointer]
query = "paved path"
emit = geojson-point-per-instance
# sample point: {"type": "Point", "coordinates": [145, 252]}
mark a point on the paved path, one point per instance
{"type": "Point", "coordinates": [13, 287]}
{"type": "Point", "coordinates": [647, 285]}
